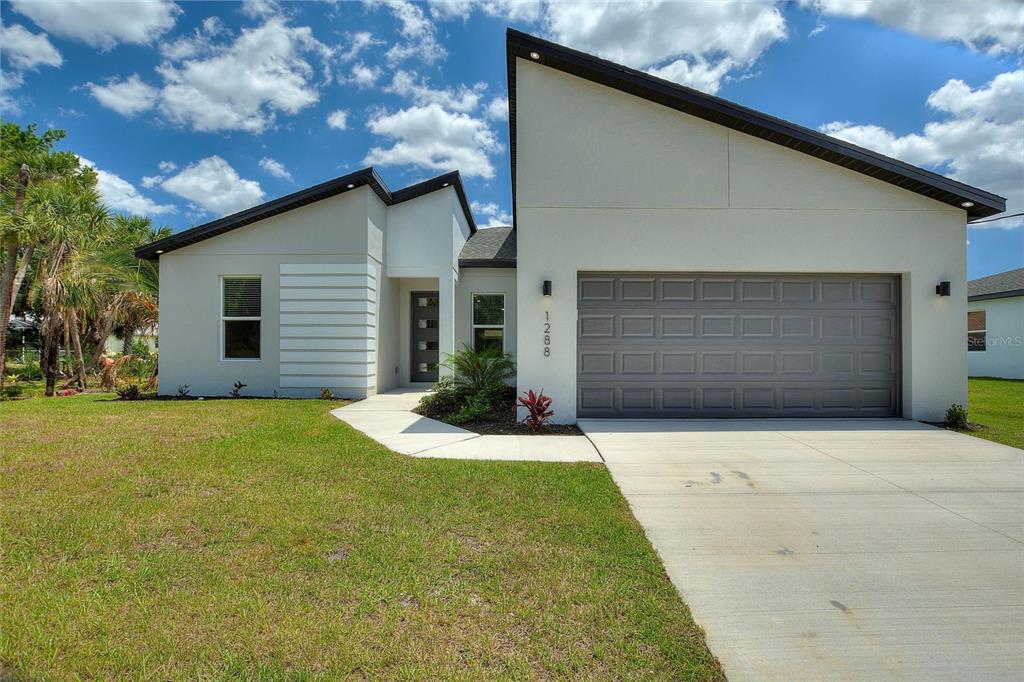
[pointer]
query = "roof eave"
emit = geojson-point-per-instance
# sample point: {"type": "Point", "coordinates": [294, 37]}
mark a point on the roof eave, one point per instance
{"type": "Point", "coordinates": [737, 117]}
{"type": "Point", "coordinates": [996, 294]}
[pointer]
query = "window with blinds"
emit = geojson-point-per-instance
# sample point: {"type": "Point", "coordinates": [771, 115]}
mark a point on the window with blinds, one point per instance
{"type": "Point", "coordinates": [241, 315]}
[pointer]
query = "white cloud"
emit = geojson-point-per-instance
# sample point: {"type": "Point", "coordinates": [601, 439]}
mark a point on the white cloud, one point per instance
{"type": "Point", "coordinates": [338, 119]}
{"type": "Point", "coordinates": [214, 185]}
{"type": "Point", "coordinates": [127, 97]}
{"type": "Point", "coordinates": [102, 24]}
{"type": "Point", "coordinates": [359, 41]}
{"type": "Point", "coordinates": [519, 11]}
{"type": "Point", "coordinates": [150, 181]}
{"type": "Point", "coordinates": [167, 166]}
{"type": "Point", "coordinates": [979, 141]}
{"type": "Point", "coordinates": [995, 26]}
{"type": "Point", "coordinates": [275, 168]}
{"type": "Point", "coordinates": [27, 50]}
{"type": "Point", "coordinates": [497, 109]}
{"type": "Point", "coordinates": [243, 85]}
{"type": "Point", "coordinates": [463, 99]}
{"type": "Point", "coordinates": [121, 195]}
{"type": "Point", "coordinates": [199, 43]}
{"type": "Point", "coordinates": [364, 76]}
{"type": "Point", "coordinates": [697, 43]}
{"type": "Point", "coordinates": [493, 215]}
{"type": "Point", "coordinates": [420, 39]}
{"type": "Point", "coordinates": [257, 9]}
{"type": "Point", "coordinates": [432, 138]}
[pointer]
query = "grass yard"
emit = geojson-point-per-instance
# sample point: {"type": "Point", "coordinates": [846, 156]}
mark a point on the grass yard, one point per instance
{"type": "Point", "coordinates": [265, 539]}
{"type": "Point", "coordinates": [998, 405]}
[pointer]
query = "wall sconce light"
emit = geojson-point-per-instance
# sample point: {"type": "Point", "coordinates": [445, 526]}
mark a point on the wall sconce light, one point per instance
{"type": "Point", "coordinates": [547, 287]}
{"type": "Point", "coordinates": [942, 288]}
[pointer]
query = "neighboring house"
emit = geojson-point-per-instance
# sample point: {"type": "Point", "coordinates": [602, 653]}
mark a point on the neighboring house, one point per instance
{"type": "Point", "coordinates": [115, 345]}
{"type": "Point", "coordinates": [674, 255]}
{"type": "Point", "coordinates": [995, 325]}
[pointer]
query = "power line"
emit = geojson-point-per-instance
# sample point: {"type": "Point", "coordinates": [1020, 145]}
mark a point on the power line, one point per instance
{"type": "Point", "coordinates": [992, 220]}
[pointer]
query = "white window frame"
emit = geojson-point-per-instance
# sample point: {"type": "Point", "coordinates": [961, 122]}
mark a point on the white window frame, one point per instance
{"type": "Point", "coordinates": [984, 331]}
{"type": "Point", "coordinates": [223, 318]}
{"type": "Point", "coordinates": [473, 326]}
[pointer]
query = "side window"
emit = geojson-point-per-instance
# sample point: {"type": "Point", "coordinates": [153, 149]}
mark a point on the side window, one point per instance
{"type": "Point", "coordinates": [976, 334]}
{"type": "Point", "coordinates": [488, 321]}
{"type": "Point", "coordinates": [241, 315]}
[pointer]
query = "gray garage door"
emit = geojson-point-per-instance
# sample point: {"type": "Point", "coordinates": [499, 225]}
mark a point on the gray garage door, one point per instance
{"type": "Point", "coordinates": [737, 345]}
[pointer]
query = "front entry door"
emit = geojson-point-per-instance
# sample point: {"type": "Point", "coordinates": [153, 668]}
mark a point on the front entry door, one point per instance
{"type": "Point", "coordinates": [425, 336]}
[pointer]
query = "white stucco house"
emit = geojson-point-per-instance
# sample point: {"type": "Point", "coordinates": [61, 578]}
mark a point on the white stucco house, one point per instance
{"type": "Point", "coordinates": [995, 325]}
{"type": "Point", "coordinates": [673, 255]}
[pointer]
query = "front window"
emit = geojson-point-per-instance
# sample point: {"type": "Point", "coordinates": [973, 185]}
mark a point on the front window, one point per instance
{"type": "Point", "coordinates": [241, 314]}
{"type": "Point", "coordinates": [488, 322]}
{"type": "Point", "coordinates": [977, 337]}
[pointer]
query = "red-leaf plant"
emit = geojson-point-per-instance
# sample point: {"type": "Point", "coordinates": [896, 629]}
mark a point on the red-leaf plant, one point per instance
{"type": "Point", "coordinates": [537, 405]}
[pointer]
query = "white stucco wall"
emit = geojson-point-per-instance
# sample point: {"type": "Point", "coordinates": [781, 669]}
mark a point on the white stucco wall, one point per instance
{"type": "Point", "coordinates": [342, 236]}
{"type": "Point", "coordinates": [1004, 353]}
{"type": "Point", "coordinates": [485, 281]}
{"type": "Point", "coordinates": [608, 181]}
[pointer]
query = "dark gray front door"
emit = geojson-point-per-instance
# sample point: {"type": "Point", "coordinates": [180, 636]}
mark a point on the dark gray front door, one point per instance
{"type": "Point", "coordinates": [425, 350]}
{"type": "Point", "coordinates": [737, 345]}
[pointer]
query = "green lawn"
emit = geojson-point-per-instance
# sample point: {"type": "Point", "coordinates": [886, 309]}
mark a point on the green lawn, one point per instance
{"type": "Point", "coordinates": [998, 405]}
{"type": "Point", "coordinates": [267, 540]}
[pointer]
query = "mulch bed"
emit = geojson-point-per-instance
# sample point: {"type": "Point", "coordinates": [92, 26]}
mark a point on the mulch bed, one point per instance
{"type": "Point", "coordinates": [501, 422]}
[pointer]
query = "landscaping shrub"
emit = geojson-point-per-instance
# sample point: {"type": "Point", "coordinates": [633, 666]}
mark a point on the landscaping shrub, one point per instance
{"type": "Point", "coordinates": [236, 390]}
{"type": "Point", "coordinates": [128, 392]}
{"type": "Point", "coordinates": [326, 394]}
{"type": "Point", "coordinates": [13, 391]}
{"type": "Point", "coordinates": [536, 405]}
{"type": "Point", "coordinates": [956, 417]}
{"type": "Point", "coordinates": [30, 371]}
{"type": "Point", "coordinates": [475, 371]}
{"type": "Point", "coordinates": [183, 392]}
{"type": "Point", "coordinates": [474, 409]}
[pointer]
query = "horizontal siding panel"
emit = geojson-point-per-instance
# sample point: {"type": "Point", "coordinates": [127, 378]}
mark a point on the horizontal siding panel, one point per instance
{"type": "Point", "coordinates": [358, 293]}
{"type": "Point", "coordinates": [352, 331]}
{"type": "Point", "coordinates": [365, 357]}
{"type": "Point", "coordinates": [327, 369]}
{"type": "Point", "coordinates": [327, 269]}
{"type": "Point", "coordinates": [328, 281]}
{"type": "Point", "coordinates": [332, 382]}
{"type": "Point", "coordinates": [367, 319]}
{"type": "Point", "coordinates": [362, 344]}
{"type": "Point", "coordinates": [328, 307]}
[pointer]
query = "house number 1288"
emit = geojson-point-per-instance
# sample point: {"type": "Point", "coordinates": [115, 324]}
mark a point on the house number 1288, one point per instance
{"type": "Point", "coordinates": [547, 334]}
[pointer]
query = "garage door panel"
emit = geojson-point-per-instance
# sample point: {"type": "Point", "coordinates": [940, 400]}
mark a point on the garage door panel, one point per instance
{"type": "Point", "coordinates": [671, 345]}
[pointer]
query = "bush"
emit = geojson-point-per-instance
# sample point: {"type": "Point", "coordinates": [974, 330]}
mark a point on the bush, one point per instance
{"type": "Point", "coordinates": [13, 391]}
{"type": "Point", "coordinates": [476, 408]}
{"type": "Point", "coordinates": [956, 416]}
{"type": "Point", "coordinates": [476, 371]}
{"type": "Point", "coordinates": [325, 394]}
{"type": "Point", "coordinates": [236, 390]}
{"type": "Point", "coordinates": [536, 405]}
{"type": "Point", "coordinates": [183, 392]}
{"type": "Point", "coordinates": [30, 371]}
{"type": "Point", "coordinates": [129, 392]}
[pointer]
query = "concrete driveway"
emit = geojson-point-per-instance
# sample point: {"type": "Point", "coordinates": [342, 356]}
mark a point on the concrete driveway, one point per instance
{"type": "Point", "coordinates": [813, 550]}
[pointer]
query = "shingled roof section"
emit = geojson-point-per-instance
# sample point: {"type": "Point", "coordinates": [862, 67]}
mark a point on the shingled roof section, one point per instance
{"type": "Point", "coordinates": [1003, 285]}
{"type": "Point", "coordinates": [490, 247]}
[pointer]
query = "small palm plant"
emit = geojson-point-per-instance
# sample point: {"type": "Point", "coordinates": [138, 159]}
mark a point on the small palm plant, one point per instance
{"type": "Point", "coordinates": [477, 371]}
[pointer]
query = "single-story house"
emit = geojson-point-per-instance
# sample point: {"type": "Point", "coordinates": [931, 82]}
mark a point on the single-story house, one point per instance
{"type": "Point", "coordinates": [673, 254]}
{"type": "Point", "coordinates": [995, 325]}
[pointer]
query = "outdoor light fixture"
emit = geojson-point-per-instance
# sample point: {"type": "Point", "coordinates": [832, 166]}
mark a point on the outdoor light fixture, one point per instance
{"type": "Point", "coordinates": [967, 204]}
{"type": "Point", "coordinates": [534, 55]}
{"type": "Point", "coordinates": [350, 185]}
{"type": "Point", "coordinates": [547, 287]}
{"type": "Point", "coordinates": [446, 184]}
{"type": "Point", "coordinates": [942, 288]}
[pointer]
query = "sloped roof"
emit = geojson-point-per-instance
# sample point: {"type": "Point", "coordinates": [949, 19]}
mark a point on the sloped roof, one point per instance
{"type": "Point", "coordinates": [304, 197]}
{"type": "Point", "coordinates": [977, 202]}
{"type": "Point", "coordinates": [1002, 285]}
{"type": "Point", "coordinates": [490, 247]}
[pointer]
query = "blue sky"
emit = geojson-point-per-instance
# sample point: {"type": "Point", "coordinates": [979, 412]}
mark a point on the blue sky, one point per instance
{"type": "Point", "coordinates": [194, 110]}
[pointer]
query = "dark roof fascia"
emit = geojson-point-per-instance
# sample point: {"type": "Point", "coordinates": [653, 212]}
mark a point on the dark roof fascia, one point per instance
{"type": "Point", "coordinates": [740, 118]}
{"type": "Point", "coordinates": [486, 263]}
{"type": "Point", "coordinates": [997, 294]}
{"type": "Point", "coordinates": [364, 177]}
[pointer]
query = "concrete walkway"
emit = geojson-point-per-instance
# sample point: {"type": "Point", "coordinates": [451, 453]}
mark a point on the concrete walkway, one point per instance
{"type": "Point", "coordinates": [834, 550]}
{"type": "Point", "coordinates": [387, 418]}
